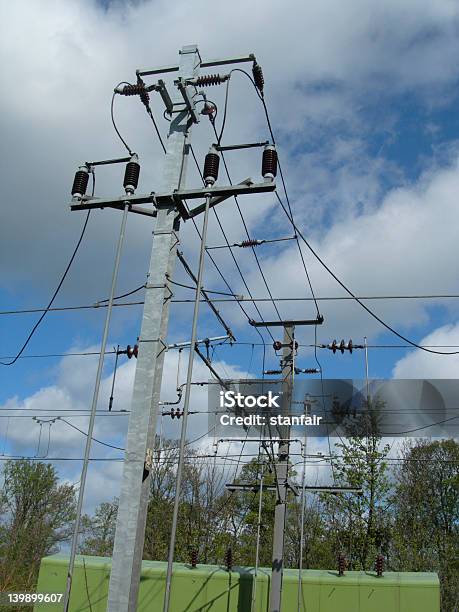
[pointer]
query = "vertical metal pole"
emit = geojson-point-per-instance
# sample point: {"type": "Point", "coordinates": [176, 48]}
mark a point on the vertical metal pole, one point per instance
{"type": "Point", "coordinates": [303, 482]}
{"type": "Point", "coordinates": [366, 368]}
{"type": "Point", "coordinates": [282, 473]}
{"type": "Point", "coordinates": [186, 404]}
{"type": "Point", "coordinates": [92, 416]}
{"type": "Point", "coordinates": [135, 484]}
{"type": "Point", "coordinates": [257, 549]}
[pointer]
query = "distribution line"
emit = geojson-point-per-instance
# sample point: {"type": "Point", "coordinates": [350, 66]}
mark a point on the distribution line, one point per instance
{"type": "Point", "coordinates": [232, 254]}
{"type": "Point", "coordinates": [261, 97]}
{"type": "Point", "coordinates": [239, 343]}
{"type": "Point", "coordinates": [318, 463]}
{"type": "Point", "coordinates": [112, 115]}
{"type": "Point", "coordinates": [63, 277]}
{"type": "Point", "coordinates": [227, 284]}
{"type": "Point", "coordinates": [238, 244]}
{"type": "Point", "coordinates": [364, 306]}
{"type": "Point", "coordinates": [237, 298]}
{"type": "Point", "coordinates": [297, 231]}
{"type": "Point", "coordinates": [246, 229]}
{"type": "Point", "coordinates": [92, 438]}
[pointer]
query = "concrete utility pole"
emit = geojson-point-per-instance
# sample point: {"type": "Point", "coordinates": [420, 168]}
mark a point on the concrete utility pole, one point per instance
{"type": "Point", "coordinates": [168, 205]}
{"type": "Point", "coordinates": [135, 484]}
{"type": "Point", "coordinates": [282, 485]}
{"type": "Point", "coordinates": [289, 347]}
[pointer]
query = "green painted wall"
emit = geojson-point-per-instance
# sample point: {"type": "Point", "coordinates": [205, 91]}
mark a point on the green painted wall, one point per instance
{"type": "Point", "coordinates": [210, 588]}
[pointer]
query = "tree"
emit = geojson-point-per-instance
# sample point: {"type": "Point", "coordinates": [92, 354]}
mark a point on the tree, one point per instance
{"type": "Point", "coordinates": [37, 517]}
{"type": "Point", "coordinates": [426, 505]}
{"type": "Point", "coordinates": [359, 524]}
{"type": "Point", "coordinates": [99, 530]}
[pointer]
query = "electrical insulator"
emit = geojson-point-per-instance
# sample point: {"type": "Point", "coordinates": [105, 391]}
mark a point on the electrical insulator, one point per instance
{"type": "Point", "coordinates": [269, 162]}
{"type": "Point", "coordinates": [194, 558]}
{"type": "Point", "coordinates": [130, 90]}
{"type": "Point", "coordinates": [277, 345]}
{"type": "Point", "coordinates": [207, 80]}
{"type": "Point", "coordinates": [379, 565]}
{"type": "Point", "coordinates": [139, 89]}
{"type": "Point", "coordinates": [342, 346]}
{"type": "Point", "coordinates": [211, 166]}
{"type": "Point", "coordinates": [80, 182]}
{"type": "Point", "coordinates": [258, 77]}
{"type": "Point", "coordinates": [250, 243]}
{"type": "Point", "coordinates": [341, 564]}
{"type": "Point", "coordinates": [229, 559]}
{"type": "Point", "coordinates": [132, 351]}
{"type": "Point", "coordinates": [131, 175]}
{"type": "Point", "coordinates": [143, 93]}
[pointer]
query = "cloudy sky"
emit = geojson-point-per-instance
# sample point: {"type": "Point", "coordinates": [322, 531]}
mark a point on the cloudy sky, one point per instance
{"type": "Point", "coordinates": [363, 99]}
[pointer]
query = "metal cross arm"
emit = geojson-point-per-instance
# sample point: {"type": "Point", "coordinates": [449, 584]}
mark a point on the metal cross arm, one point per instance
{"type": "Point", "coordinates": [318, 321]}
{"type": "Point", "coordinates": [219, 198]}
{"type": "Point", "coordinates": [256, 487]}
{"type": "Point", "coordinates": [210, 63]}
{"type": "Point", "coordinates": [221, 192]}
{"type": "Point", "coordinates": [178, 196]}
{"type": "Point", "coordinates": [89, 203]}
{"type": "Point", "coordinates": [317, 489]}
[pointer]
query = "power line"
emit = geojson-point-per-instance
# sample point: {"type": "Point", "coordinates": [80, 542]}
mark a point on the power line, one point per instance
{"type": "Point", "coordinates": [63, 411]}
{"type": "Point", "coordinates": [364, 306]}
{"type": "Point", "coordinates": [92, 437]}
{"type": "Point", "coordinates": [203, 289]}
{"type": "Point", "coordinates": [244, 223]}
{"type": "Point", "coordinates": [232, 254]}
{"type": "Point", "coordinates": [261, 97]}
{"type": "Point", "coordinates": [34, 328]}
{"type": "Point", "coordinates": [236, 298]}
{"type": "Point", "coordinates": [234, 343]}
{"type": "Point", "coordinates": [239, 244]}
{"type": "Point", "coordinates": [123, 295]}
{"type": "Point", "coordinates": [112, 115]}
{"type": "Point", "coordinates": [289, 215]}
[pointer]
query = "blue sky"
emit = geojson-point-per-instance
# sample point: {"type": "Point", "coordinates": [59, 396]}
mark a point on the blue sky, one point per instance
{"type": "Point", "coordinates": [364, 108]}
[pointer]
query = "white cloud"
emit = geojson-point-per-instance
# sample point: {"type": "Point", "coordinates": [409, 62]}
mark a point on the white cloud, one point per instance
{"type": "Point", "coordinates": [402, 247]}
{"type": "Point", "coordinates": [420, 364]}
{"type": "Point", "coordinates": [319, 68]}
{"type": "Point", "coordinates": [324, 63]}
{"type": "Point", "coordinates": [72, 391]}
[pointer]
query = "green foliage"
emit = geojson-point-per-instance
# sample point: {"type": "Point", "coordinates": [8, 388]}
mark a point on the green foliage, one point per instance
{"type": "Point", "coordinates": [36, 518]}
{"type": "Point", "coordinates": [426, 511]}
{"type": "Point", "coordinates": [99, 530]}
{"type": "Point", "coordinates": [411, 514]}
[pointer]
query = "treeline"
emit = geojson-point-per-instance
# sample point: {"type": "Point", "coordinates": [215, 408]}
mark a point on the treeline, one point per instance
{"type": "Point", "coordinates": [408, 512]}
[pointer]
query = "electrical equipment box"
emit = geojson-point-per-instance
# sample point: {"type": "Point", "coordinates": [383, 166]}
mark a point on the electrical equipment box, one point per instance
{"type": "Point", "coordinates": [212, 588]}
